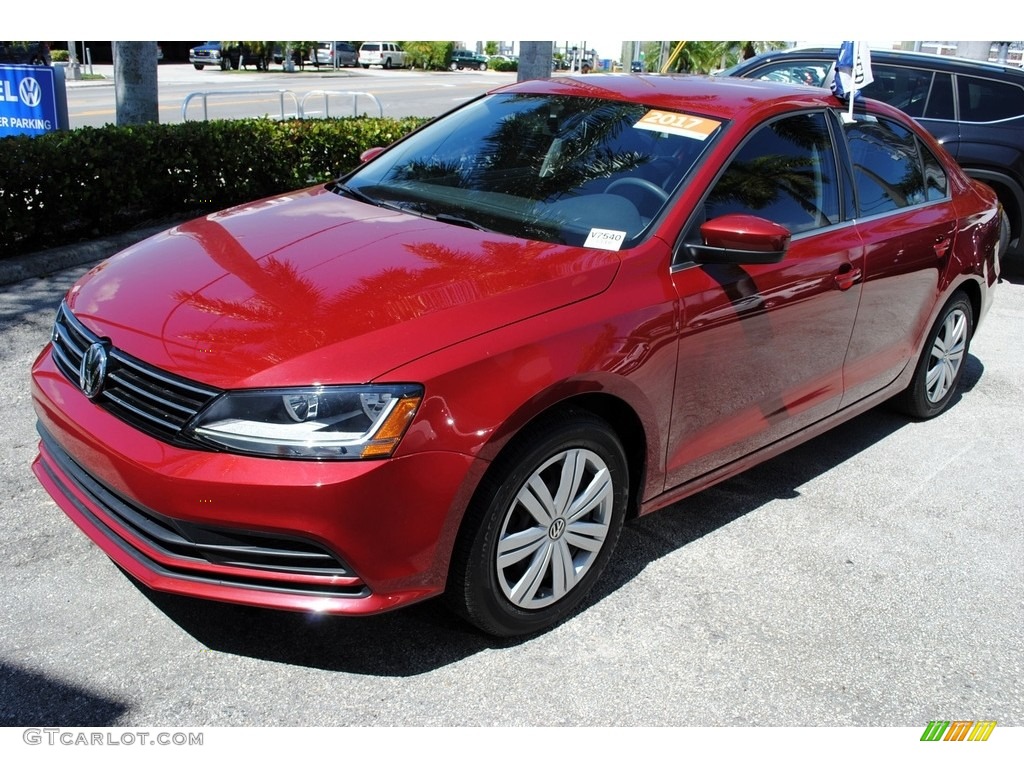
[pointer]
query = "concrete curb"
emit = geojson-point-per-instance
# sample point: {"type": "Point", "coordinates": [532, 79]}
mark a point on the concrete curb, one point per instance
{"type": "Point", "coordinates": [43, 263]}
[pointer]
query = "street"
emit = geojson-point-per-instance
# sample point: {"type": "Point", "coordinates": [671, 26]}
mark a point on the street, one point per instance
{"type": "Point", "coordinates": [401, 93]}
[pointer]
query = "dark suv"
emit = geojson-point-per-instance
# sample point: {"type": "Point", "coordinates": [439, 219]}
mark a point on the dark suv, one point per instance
{"type": "Point", "coordinates": [975, 109]}
{"type": "Point", "coordinates": [462, 59]}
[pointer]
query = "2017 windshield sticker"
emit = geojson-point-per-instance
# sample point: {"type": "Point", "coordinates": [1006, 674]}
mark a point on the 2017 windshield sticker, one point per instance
{"type": "Point", "coordinates": [605, 239]}
{"type": "Point", "coordinates": [676, 122]}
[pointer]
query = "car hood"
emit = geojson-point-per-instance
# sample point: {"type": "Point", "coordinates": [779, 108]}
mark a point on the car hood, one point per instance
{"type": "Point", "coordinates": [311, 287]}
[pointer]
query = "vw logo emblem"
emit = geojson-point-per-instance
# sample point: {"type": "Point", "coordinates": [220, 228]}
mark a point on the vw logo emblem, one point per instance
{"type": "Point", "coordinates": [93, 370]}
{"type": "Point", "coordinates": [557, 528]}
{"type": "Point", "coordinates": [30, 92]}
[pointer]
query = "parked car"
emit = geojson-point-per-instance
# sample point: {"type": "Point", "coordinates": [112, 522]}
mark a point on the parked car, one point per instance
{"type": "Point", "coordinates": [334, 54]}
{"type": "Point", "coordinates": [208, 54]}
{"type": "Point", "coordinates": [459, 368]}
{"type": "Point", "coordinates": [636, 66]}
{"type": "Point", "coordinates": [32, 53]}
{"type": "Point", "coordinates": [463, 59]}
{"type": "Point", "coordinates": [382, 54]}
{"type": "Point", "coordinates": [975, 109]}
{"type": "Point", "coordinates": [228, 55]}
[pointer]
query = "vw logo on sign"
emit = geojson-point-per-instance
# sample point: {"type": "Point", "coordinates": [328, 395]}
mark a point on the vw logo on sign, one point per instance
{"type": "Point", "coordinates": [30, 92]}
{"type": "Point", "coordinates": [93, 370]}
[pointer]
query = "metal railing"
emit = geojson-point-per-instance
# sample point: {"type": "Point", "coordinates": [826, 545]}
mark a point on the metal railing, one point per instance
{"type": "Point", "coordinates": [205, 96]}
{"type": "Point", "coordinates": [300, 106]}
{"type": "Point", "coordinates": [327, 101]}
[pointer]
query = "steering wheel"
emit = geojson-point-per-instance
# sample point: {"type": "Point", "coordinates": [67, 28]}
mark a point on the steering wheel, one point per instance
{"type": "Point", "coordinates": [636, 181]}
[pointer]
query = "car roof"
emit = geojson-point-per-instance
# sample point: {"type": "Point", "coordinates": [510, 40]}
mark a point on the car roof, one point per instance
{"type": "Point", "coordinates": [916, 58]}
{"type": "Point", "coordinates": [724, 98]}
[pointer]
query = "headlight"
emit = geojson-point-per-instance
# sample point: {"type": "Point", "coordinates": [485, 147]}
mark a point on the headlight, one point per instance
{"type": "Point", "coordinates": [359, 422]}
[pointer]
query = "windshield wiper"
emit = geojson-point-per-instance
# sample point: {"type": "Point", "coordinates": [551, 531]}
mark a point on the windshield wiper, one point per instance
{"type": "Point", "coordinates": [358, 194]}
{"type": "Point", "coordinates": [462, 221]}
{"type": "Point", "coordinates": [348, 191]}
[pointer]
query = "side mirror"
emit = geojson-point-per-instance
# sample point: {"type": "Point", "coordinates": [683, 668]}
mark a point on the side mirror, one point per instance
{"type": "Point", "coordinates": [370, 153]}
{"type": "Point", "coordinates": [739, 238]}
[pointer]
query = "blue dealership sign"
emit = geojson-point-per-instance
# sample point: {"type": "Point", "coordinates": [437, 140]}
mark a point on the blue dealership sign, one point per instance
{"type": "Point", "coordinates": [28, 100]}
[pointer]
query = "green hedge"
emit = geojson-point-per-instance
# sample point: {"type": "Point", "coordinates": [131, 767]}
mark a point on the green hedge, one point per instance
{"type": "Point", "coordinates": [68, 186]}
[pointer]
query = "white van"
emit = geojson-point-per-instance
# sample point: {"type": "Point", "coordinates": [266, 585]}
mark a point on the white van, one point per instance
{"type": "Point", "coordinates": [381, 54]}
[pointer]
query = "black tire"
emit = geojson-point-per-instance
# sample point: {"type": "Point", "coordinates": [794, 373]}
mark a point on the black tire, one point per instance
{"type": "Point", "coordinates": [198, 66]}
{"type": "Point", "coordinates": [387, 63]}
{"type": "Point", "coordinates": [453, 66]}
{"type": "Point", "coordinates": [524, 506]}
{"type": "Point", "coordinates": [937, 376]}
{"type": "Point", "coordinates": [483, 67]}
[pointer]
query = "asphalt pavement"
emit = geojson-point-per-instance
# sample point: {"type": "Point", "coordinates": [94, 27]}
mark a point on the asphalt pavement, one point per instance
{"type": "Point", "coordinates": [871, 577]}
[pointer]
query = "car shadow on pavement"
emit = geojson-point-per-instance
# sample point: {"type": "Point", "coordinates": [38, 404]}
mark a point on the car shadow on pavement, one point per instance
{"type": "Point", "coordinates": [32, 699]}
{"type": "Point", "coordinates": [425, 636]}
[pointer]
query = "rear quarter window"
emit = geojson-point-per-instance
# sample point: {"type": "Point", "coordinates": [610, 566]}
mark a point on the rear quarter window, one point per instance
{"type": "Point", "coordinates": [986, 101]}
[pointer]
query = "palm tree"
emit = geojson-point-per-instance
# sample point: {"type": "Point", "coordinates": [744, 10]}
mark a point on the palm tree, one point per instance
{"type": "Point", "coordinates": [706, 56]}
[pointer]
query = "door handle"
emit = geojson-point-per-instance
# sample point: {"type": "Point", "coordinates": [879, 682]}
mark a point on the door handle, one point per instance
{"type": "Point", "coordinates": [847, 277]}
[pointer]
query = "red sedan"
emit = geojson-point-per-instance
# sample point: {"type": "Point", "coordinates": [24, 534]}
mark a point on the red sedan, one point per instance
{"type": "Point", "coordinates": [460, 368]}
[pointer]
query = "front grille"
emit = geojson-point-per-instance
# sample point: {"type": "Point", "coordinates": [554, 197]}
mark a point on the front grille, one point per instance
{"type": "Point", "coordinates": [240, 558]}
{"type": "Point", "coordinates": [157, 402]}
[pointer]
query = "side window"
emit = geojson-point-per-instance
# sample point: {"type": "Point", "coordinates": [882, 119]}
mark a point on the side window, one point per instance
{"type": "Point", "coordinates": [934, 175]}
{"type": "Point", "coordinates": [786, 173]}
{"type": "Point", "coordinates": [905, 88]}
{"type": "Point", "coordinates": [801, 72]}
{"type": "Point", "coordinates": [985, 101]}
{"type": "Point", "coordinates": [940, 100]}
{"type": "Point", "coordinates": [887, 171]}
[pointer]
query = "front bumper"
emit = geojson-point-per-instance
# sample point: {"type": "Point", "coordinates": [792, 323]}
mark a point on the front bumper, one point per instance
{"type": "Point", "coordinates": [334, 537]}
{"type": "Point", "coordinates": [213, 59]}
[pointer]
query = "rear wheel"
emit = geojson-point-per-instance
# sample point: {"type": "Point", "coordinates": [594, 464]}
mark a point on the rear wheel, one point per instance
{"type": "Point", "coordinates": [941, 365]}
{"type": "Point", "coordinates": [541, 527]}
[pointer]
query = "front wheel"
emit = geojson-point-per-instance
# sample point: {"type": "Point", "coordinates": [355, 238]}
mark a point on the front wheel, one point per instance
{"type": "Point", "coordinates": [198, 66]}
{"type": "Point", "coordinates": [941, 366]}
{"type": "Point", "coordinates": [483, 67]}
{"type": "Point", "coordinates": [541, 527]}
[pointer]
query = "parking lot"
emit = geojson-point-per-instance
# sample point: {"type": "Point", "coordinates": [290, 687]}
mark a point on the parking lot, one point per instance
{"type": "Point", "coordinates": [868, 578]}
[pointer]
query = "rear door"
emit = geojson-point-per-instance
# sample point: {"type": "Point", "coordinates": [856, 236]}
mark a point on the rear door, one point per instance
{"type": "Point", "coordinates": [907, 223]}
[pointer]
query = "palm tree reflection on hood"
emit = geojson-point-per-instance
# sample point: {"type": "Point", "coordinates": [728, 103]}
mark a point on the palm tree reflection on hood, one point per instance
{"type": "Point", "coordinates": [288, 314]}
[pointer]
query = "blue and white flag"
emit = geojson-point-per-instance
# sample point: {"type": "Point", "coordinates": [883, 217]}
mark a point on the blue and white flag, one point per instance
{"type": "Point", "coordinates": [853, 69]}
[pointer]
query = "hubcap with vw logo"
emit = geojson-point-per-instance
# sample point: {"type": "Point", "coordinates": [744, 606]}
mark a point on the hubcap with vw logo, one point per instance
{"type": "Point", "coordinates": [555, 528]}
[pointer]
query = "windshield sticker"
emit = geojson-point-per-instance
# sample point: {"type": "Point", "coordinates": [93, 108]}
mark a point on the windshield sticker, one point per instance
{"type": "Point", "coordinates": [605, 239]}
{"type": "Point", "coordinates": [675, 122]}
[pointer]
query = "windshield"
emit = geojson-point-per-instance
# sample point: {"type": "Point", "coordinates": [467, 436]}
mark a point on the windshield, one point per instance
{"type": "Point", "coordinates": [544, 167]}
